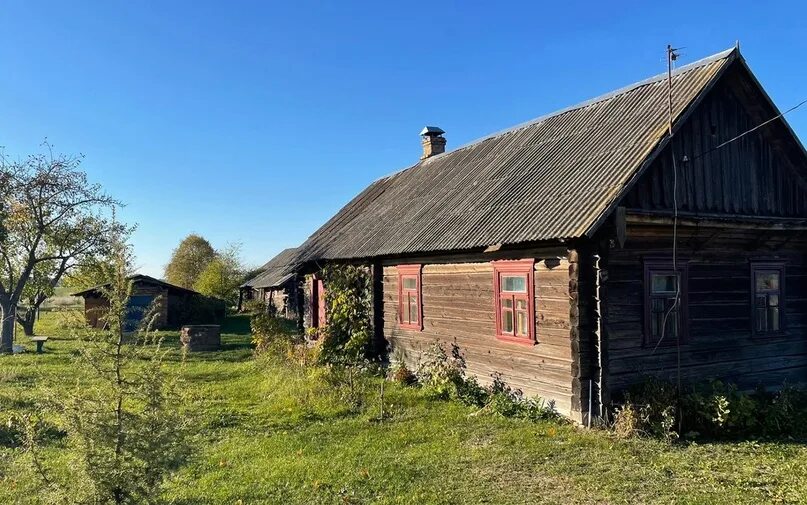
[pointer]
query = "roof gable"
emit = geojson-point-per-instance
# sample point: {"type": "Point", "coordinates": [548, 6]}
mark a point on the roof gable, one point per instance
{"type": "Point", "coordinates": [552, 178]}
{"type": "Point", "coordinates": [740, 162]}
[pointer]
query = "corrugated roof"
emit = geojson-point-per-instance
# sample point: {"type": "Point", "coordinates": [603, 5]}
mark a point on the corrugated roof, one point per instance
{"type": "Point", "coordinates": [548, 179]}
{"type": "Point", "coordinates": [276, 271]}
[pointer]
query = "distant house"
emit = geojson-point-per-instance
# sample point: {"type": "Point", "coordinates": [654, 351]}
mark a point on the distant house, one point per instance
{"type": "Point", "coordinates": [175, 305]}
{"type": "Point", "coordinates": [277, 285]}
{"type": "Point", "coordinates": [581, 251]}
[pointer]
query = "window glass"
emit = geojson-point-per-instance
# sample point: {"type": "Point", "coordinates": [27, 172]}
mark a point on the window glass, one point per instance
{"type": "Point", "coordinates": [507, 303]}
{"type": "Point", "coordinates": [767, 300]}
{"type": "Point", "coordinates": [665, 313]}
{"type": "Point", "coordinates": [767, 280]}
{"type": "Point", "coordinates": [410, 283]}
{"type": "Point", "coordinates": [514, 283]}
{"type": "Point", "coordinates": [664, 283]}
{"type": "Point", "coordinates": [507, 321]}
{"type": "Point", "coordinates": [521, 327]}
{"type": "Point", "coordinates": [413, 309]}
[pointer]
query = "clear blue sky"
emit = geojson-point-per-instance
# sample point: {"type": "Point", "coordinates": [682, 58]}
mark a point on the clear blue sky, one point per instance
{"type": "Point", "coordinates": [254, 122]}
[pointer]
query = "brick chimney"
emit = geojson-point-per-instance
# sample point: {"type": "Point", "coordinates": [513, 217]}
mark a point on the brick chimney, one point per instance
{"type": "Point", "coordinates": [433, 141]}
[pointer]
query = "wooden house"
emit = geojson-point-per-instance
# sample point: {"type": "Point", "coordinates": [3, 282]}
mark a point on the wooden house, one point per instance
{"type": "Point", "coordinates": [175, 305]}
{"type": "Point", "coordinates": [584, 250]}
{"type": "Point", "coordinates": [277, 285]}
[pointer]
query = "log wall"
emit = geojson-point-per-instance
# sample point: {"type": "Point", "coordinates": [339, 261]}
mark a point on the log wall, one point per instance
{"type": "Point", "coordinates": [720, 344]}
{"type": "Point", "coordinates": [458, 307]}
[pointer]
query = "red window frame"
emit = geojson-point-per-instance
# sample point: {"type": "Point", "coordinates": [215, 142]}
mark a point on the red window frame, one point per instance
{"type": "Point", "coordinates": [514, 268]}
{"type": "Point", "coordinates": [410, 272]}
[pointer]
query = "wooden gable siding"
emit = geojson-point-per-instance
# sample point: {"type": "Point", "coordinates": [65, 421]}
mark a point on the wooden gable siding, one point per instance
{"type": "Point", "coordinates": [458, 307]}
{"type": "Point", "coordinates": [720, 342]}
{"type": "Point", "coordinates": [760, 174]}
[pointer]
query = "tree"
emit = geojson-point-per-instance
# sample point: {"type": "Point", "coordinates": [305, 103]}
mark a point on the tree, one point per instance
{"type": "Point", "coordinates": [52, 218]}
{"type": "Point", "coordinates": [92, 272]}
{"type": "Point", "coordinates": [188, 261]}
{"type": "Point", "coordinates": [222, 276]}
{"type": "Point", "coordinates": [124, 416]}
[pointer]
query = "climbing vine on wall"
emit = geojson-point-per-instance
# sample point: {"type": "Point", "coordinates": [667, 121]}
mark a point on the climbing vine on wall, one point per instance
{"type": "Point", "coordinates": [349, 330]}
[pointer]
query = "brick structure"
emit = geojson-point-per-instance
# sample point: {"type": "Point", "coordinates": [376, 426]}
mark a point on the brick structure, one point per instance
{"type": "Point", "coordinates": [201, 337]}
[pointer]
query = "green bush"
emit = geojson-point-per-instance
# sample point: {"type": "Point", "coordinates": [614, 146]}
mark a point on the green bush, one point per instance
{"type": "Point", "coordinates": [443, 375]}
{"type": "Point", "coordinates": [273, 334]}
{"type": "Point", "coordinates": [349, 330]}
{"type": "Point", "coordinates": [402, 375]}
{"type": "Point", "coordinates": [654, 404]}
{"type": "Point", "coordinates": [714, 409]}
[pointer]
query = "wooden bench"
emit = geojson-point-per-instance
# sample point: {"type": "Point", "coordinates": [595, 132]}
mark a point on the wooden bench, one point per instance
{"type": "Point", "coordinates": [40, 342]}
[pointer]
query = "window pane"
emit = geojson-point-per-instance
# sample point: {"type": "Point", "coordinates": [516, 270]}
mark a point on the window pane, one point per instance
{"type": "Point", "coordinates": [767, 280]}
{"type": "Point", "coordinates": [660, 314]}
{"type": "Point", "coordinates": [663, 283]}
{"type": "Point", "coordinates": [773, 319]}
{"type": "Point", "coordinates": [521, 304]}
{"type": "Point", "coordinates": [413, 309]}
{"type": "Point", "coordinates": [507, 303]}
{"type": "Point", "coordinates": [521, 321]}
{"type": "Point", "coordinates": [507, 321]}
{"type": "Point", "coordinates": [773, 300]}
{"type": "Point", "coordinates": [410, 283]}
{"type": "Point", "coordinates": [514, 283]}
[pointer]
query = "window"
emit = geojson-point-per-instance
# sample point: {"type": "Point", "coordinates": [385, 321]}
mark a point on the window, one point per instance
{"type": "Point", "coordinates": [767, 303]}
{"type": "Point", "coordinates": [514, 299]}
{"type": "Point", "coordinates": [666, 320]}
{"type": "Point", "coordinates": [410, 297]}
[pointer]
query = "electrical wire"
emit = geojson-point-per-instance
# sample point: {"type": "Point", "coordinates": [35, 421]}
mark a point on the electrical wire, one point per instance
{"type": "Point", "coordinates": [677, 297]}
{"type": "Point", "coordinates": [743, 134]}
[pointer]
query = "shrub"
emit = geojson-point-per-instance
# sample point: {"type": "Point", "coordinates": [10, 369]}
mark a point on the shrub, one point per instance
{"type": "Point", "coordinates": [507, 402]}
{"type": "Point", "coordinates": [714, 409]}
{"type": "Point", "coordinates": [348, 333]}
{"type": "Point", "coordinates": [784, 412]}
{"type": "Point", "coordinates": [626, 421]}
{"type": "Point", "coordinates": [349, 381]}
{"type": "Point", "coordinates": [443, 375]}
{"type": "Point", "coordinates": [719, 409]}
{"type": "Point", "coordinates": [273, 334]}
{"type": "Point", "coordinates": [655, 404]}
{"type": "Point", "coordinates": [402, 375]}
{"type": "Point", "coordinates": [123, 418]}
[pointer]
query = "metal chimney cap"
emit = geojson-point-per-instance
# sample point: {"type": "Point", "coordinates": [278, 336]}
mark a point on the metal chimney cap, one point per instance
{"type": "Point", "coordinates": [431, 131]}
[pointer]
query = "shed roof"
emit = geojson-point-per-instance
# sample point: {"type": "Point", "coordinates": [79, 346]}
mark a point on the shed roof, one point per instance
{"type": "Point", "coordinates": [276, 271]}
{"type": "Point", "coordinates": [147, 279]}
{"type": "Point", "coordinates": [549, 179]}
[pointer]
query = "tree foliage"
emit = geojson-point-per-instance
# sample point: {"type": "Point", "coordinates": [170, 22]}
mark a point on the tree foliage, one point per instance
{"type": "Point", "coordinates": [222, 276]}
{"type": "Point", "coordinates": [123, 416]}
{"type": "Point", "coordinates": [349, 330]}
{"type": "Point", "coordinates": [52, 218]}
{"type": "Point", "coordinates": [189, 260]}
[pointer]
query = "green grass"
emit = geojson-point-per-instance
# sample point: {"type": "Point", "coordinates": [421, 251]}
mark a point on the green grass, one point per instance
{"type": "Point", "coordinates": [268, 433]}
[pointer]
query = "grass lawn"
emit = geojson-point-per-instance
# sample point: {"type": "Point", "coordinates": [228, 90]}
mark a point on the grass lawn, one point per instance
{"type": "Point", "coordinates": [268, 434]}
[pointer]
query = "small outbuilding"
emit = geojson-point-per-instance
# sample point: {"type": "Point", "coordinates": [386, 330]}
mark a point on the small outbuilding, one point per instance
{"type": "Point", "coordinates": [176, 305]}
{"type": "Point", "coordinates": [277, 285]}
